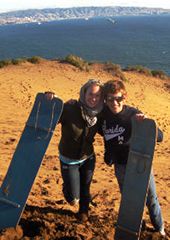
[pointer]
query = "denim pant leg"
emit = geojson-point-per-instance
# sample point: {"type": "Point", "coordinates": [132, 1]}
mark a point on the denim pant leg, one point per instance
{"type": "Point", "coordinates": [153, 205]}
{"type": "Point", "coordinates": [152, 199]}
{"type": "Point", "coordinates": [71, 179]}
{"type": "Point", "coordinates": [120, 170]}
{"type": "Point", "coordinates": [86, 174]}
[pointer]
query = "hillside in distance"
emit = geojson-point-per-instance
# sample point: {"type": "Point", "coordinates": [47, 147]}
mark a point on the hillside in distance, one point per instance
{"type": "Point", "coordinates": [52, 14]}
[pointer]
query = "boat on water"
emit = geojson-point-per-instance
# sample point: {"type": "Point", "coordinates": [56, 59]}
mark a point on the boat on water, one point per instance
{"type": "Point", "coordinates": [111, 20]}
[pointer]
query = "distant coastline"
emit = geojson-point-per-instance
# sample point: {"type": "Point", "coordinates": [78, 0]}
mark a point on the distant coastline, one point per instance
{"type": "Point", "coordinates": [132, 40]}
{"type": "Point", "coordinates": [53, 14]}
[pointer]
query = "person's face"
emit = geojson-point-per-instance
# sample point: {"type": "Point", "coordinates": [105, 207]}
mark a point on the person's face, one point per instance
{"type": "Point", "coordinates": [93, 95]}
{"type": "Point", "coordinates": [115, 102]}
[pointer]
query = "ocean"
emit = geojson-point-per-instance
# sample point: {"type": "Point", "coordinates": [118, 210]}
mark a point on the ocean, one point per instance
{"type": "Point", "coordinates": [131, 40]}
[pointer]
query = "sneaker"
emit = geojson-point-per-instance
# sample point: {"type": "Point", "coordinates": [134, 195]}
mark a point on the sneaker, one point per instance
{"type": "Point", "coordinates": [82, 217]}
{"type": "Point", "coordinates": [162, 231]}
{"type": "Point", "coordinates": [74, 202]}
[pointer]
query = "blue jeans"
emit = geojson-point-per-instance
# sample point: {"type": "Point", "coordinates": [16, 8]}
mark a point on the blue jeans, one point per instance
{"type": "Point", "coordinates": [77, 179]}
{"type": "Point", "coordinates": [152, 199]}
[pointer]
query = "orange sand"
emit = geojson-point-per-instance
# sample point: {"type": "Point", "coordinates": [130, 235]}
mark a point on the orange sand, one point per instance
{"type": "Point", "coordinates": [47, 215]}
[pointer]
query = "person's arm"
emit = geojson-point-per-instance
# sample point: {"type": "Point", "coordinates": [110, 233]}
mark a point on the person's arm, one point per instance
{"type": "Point", "coordinates": [71, 101]}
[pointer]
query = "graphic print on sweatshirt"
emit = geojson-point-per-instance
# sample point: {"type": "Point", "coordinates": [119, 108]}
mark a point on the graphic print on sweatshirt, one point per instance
{"type": "Point", "coordinates": [113, 132]}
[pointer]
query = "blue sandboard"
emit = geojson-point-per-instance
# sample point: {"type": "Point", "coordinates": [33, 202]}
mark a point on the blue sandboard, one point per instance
{"type": "Point", "coordinates": [136, 180]}
{"type": "Point", "coordinates": [27, 159]}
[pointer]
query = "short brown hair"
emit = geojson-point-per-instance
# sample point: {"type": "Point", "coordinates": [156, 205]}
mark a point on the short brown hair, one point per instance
{"type": "Point", "coordinates": [114, 86]}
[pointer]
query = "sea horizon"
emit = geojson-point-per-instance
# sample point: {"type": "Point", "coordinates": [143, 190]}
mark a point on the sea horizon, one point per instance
{"type": "Point", "coordinates": [128, 40]}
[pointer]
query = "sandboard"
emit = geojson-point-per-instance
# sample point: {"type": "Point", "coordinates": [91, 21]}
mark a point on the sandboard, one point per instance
{"type": "Point", "coordinates": [136, 181]}
{"type": "Point", "coordinates": [27, 159]}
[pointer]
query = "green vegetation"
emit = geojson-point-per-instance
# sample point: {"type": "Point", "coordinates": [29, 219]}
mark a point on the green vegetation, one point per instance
{"type": "Point", "coordinates": [4, 63]}
{"type": "Point", "coordinates": [34, 59]}
{"type": "Point", "coordinates": [110, 67]}
{"type": "Point", "coordinates": [77, 62]}
{"type": "Point", "coordinates": [18, 61]}
{"type": "Point", "coordinates": [115, 69]}
{"type": "Point", "coordinates": [139, 69]}
{"type": "Point", "coordinates": [159, 74]}
{"type": "Point", "coordinates": [155, 73]}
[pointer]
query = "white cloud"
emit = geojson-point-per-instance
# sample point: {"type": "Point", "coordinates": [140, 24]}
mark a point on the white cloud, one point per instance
{"type": "Point", "coordinates": [10, 5]}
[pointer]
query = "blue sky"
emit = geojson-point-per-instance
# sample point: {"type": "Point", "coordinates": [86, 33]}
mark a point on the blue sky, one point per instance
{"type": "Point", "coordinates": [12, 5]}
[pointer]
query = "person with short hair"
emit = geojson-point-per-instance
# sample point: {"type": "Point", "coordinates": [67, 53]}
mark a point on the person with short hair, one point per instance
{"type": "Point", "coordinates": [116, 129]}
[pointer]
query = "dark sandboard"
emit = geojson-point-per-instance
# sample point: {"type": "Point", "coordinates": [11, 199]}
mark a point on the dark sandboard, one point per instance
{"type": "Point", "coordinates": [136, 180]}
{"type": "Point", "coordinates": [27, 159]}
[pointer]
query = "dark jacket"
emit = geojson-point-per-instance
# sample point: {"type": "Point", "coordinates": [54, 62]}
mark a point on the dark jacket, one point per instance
{"type": "Point", "coordinates": [116, 129]}
{"type": "Point", "coordinates": [76, 138]}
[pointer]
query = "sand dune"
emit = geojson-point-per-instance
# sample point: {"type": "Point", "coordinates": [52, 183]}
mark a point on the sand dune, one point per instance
{"type": "Point", "coordinates": [47, 215]}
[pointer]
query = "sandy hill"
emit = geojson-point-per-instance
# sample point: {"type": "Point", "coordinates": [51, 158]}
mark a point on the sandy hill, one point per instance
{"type": "Point", "coordinates": [47, 215]}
